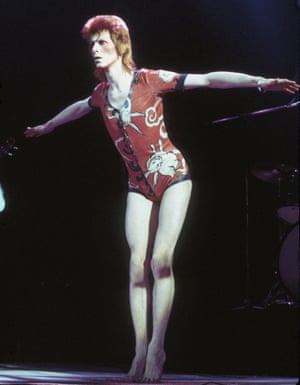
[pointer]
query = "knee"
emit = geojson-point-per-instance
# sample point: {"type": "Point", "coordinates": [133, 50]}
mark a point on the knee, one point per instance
{"type": "Point", "coordinates": [137, 270]}
{"type": "Point", "coordinates": [161, 266]}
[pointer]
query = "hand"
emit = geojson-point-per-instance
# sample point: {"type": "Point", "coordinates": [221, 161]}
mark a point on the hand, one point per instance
{"type": "Point", "coordinates": [285, 85]}
{"type": "Point", "coordinates": [42, 129]}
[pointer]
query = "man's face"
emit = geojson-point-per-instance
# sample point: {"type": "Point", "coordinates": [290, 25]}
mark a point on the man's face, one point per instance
{"type": "Point", "coordinates": [103, 50]}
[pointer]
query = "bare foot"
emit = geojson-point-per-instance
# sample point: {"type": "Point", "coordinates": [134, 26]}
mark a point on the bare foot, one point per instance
{"type": "Point", "coordinates": [136, 371]}
{"type": "Point", "coordinates": [154, 366]}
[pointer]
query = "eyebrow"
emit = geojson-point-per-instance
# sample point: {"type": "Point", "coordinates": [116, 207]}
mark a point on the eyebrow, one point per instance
{"type": "Point", "coordinates": [98, 34]}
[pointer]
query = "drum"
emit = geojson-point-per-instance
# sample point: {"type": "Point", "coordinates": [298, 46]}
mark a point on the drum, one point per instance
{"type": "Point", "coordinates": [289, 264]}
{"type": "Point", "coordinates": [289, 214]}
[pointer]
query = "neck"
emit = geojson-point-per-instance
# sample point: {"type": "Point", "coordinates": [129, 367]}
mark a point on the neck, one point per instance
{"type": "Point", "coordinates": [116, 75]}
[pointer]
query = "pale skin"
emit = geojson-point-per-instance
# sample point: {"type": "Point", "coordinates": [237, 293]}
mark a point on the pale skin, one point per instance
{"type": "Point", "coordinates": [150, 356]}
{"type": "Point", "coordinates": [2, 200]}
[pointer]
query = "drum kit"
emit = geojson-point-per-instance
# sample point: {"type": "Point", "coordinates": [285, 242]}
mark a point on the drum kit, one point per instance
{"type": "Point", "coordinates": [285, 289]}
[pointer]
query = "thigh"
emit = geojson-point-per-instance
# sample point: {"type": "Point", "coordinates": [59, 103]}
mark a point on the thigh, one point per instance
{"type": "Point", "coordinates": [137, 219]}
{"type": "Point", "coordinates": [172, 214]}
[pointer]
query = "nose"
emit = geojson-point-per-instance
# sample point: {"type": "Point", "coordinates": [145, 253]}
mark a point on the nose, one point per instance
{"type": "Point", "coordinates": [94, 49]}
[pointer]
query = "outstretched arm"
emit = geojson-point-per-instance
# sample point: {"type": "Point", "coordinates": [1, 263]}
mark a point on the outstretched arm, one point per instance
{"type": "Point", "coordinates": [2, 200]}
{"type": "Point", "coordinates": [72, 112]}
{"type": "Point", "coordinates": [225, 79]}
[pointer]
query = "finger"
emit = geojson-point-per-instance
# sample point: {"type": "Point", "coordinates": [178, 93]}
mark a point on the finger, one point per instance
{"type": "Point", "coordinates": [289, 90]}
{"type": "Point", "coordinates": [293, 87]}
{"type": "Point", "coordinates": [29, 129]}
{"type": "Point", "coordinates": [29, 134]}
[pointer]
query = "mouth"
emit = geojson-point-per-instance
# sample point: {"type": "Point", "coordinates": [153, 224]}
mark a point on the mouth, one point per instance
{"type": "Point", "coordinates": [97, 59]}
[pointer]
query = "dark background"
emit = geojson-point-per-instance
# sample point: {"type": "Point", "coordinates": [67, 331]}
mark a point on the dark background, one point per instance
{"type": "Point", "coordinates": [64, 259]}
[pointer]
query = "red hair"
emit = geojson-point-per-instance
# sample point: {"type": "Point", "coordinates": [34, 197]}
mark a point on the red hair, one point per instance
{"type": "Point", "coordinates": [119, 35]}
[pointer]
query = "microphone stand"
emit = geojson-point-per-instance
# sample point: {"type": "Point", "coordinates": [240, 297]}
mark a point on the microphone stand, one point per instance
{"type": "Point", "coordinates": [259, 112]}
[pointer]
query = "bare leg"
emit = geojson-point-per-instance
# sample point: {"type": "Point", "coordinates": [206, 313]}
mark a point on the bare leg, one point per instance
{"type": "Point", "coordinates": [138, 214]}
{"type": "Point", "coordinates": [171, 217]}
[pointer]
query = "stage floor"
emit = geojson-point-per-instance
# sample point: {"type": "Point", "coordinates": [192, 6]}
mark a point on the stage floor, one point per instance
{"type": "Point", "coordinates": [58, 375]}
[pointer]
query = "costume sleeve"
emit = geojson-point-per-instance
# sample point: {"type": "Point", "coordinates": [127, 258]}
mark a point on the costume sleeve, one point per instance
{"type": "Point", "coordinates": [90, 102]}
{"type": "Point", "coordinates": [162, 81]}
{"type": "Point", "coordinates": [97, 96]}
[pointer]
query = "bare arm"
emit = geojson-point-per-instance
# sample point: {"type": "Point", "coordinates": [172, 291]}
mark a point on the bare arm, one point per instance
{"type": "Point", "coordinates": [225, 79]}
{"type": "Point", "coordinates": [2, 200]}
{"type": "Point", "coordinates": [73, 112]}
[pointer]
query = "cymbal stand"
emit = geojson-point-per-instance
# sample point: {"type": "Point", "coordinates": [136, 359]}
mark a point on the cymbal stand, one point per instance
{"type": "Point", "coordinates": [277, 295]}
{"type": "Point", "coordinates": [247, 302]}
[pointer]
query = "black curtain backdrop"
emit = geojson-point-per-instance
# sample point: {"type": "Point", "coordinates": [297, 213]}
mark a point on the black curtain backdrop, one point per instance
{"type": "Point", "coordinates": [64, 259]}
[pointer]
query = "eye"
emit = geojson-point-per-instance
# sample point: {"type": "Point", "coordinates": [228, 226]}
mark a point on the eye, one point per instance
{"type": "Point", "coordinates": [92, 43]}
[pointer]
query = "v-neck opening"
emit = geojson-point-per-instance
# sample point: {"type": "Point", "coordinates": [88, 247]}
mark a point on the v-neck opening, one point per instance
{"type": "Point", "coordinates": [133, 79]}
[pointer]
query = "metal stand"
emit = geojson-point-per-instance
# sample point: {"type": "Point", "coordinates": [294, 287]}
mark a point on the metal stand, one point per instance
{"type": "Point", "coordinates": [277, 295]}
{"type": "Point", "coordinates": [247, 302]}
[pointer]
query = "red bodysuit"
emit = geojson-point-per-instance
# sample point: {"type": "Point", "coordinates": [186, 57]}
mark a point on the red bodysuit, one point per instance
{"type": "Point", "coordinates": [139, 133]}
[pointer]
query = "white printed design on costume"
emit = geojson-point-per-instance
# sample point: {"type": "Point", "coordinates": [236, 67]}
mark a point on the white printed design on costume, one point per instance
{"type": "Point", "coordinates": [163, 162]}
{"type": "Point", "coordinates": [153, 120]}
{"type": "Point", "coordinates": [166, 76]}
{"type": "Point", "coordinates": [124, 115]}
{"type": "Point", "coordinates": [120, 143]}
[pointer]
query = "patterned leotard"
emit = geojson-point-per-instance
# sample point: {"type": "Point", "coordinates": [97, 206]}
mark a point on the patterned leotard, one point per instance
{"type": "Point", "coordinates": [139, 133]}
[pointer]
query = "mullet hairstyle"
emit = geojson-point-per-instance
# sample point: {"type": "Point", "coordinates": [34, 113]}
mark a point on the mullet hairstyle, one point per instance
{"type": "Point", "coordinates": [119, 35]}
